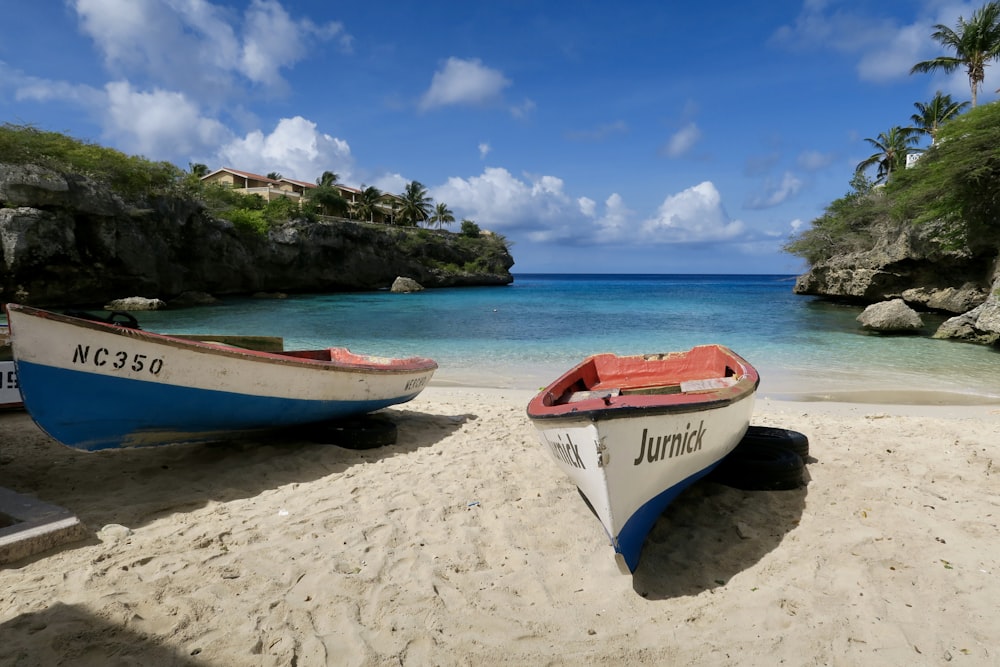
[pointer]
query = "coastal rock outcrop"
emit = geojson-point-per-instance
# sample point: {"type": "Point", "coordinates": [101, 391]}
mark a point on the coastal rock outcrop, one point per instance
{"type": "Point", "coordinates": [136, 303]}
{"type": "Point", "coordinates": [906, 261]}
{"type": "Point", "coordinates": [66, 240]}
{"type": "Point", "coordinates": [912, 264]}
{"type": "Point", "coordinates": [891, 317]}
{"type": "Point", "coordinates": [979, 325]}
{"type": "Point", "coordinates": [406, 285]}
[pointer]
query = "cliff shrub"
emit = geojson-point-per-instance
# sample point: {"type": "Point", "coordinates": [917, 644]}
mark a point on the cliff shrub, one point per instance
{"type": "Point", "coordinates": [131, 177]}
{"type": "Point", "coordinates": [957, 180]}
{"type": "Point", "coordinates": [246, 219]}
{"type": "Point", "coordinates": [955, 184]}
{"type": "Point", "coordinates": [845, 227]}
{"type": "Point", "coordinates": [469, 228]}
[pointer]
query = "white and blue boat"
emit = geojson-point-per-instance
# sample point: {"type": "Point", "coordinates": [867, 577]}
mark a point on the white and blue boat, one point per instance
{"type": "Point", "coordinates": [633, 432]}
{"type": "Point", "coordinates": [95, 385]}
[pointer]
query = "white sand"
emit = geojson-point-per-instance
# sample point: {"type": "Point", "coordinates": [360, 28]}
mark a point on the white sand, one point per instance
{"type": "Point", "coordinates": [463, 544]}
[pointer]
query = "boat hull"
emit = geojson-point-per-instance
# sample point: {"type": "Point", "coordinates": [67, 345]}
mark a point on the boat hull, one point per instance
{"type": "Point", "coordinates": [631, 469]}
{"type": "Point", "coordinates": [96, 386]}
{"type": "Point", "coordinates": [632, 454]}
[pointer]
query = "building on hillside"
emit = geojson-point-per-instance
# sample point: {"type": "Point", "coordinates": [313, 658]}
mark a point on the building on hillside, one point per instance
{"type": "Point", "coordinates": [247, 183]}
{"type": "Point", "coordinates": [269, 189]}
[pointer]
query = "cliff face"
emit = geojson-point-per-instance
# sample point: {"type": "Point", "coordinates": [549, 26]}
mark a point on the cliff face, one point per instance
{"type": "Point", "coordinates": [910, 262]}
{"type": "Point", "coordinates": [66, 240]}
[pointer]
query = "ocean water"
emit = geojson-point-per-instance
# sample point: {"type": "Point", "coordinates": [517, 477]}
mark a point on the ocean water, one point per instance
{"type": "Point", "coordinates": [526, 334]}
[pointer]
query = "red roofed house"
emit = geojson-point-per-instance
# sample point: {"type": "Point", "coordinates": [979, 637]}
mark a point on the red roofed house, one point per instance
{"type": "Point", "coordinates": [255, 184]}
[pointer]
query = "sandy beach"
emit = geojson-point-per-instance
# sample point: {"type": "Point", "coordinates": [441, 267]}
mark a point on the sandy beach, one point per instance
{"type": "Point", "coordinates": [464, 545]}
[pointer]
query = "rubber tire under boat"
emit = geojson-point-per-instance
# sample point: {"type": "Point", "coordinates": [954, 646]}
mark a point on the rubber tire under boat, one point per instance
{"type": "Point", "coordinates": [365, 432]}
{"type": "Point", "coordinates": [760, 466]}
{"type": "Point", "coordinates": [782, 437]}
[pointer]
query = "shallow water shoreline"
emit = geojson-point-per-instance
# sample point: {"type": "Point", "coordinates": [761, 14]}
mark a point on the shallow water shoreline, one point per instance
{"type": "Point", "coordinates": [776, 384]}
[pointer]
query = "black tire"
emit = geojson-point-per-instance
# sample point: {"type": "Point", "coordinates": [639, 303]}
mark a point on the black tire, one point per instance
{"type": "Point", "coordinates": [760, 467]}
{"type": "Point", "coordinates": [780, 437]}
{"type": "Point", "coordinates": [365, 432]}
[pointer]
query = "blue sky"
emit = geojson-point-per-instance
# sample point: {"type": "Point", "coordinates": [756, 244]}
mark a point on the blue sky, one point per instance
{"type": "Point", "coordinates": [643, 137]}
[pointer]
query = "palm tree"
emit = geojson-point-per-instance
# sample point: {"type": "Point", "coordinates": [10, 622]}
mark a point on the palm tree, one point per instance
{"type": "Point", "coordinates": [415, 206]}
{"type": "Point", "coordinates": [368, 203]}
{"type": "Point", "coordinates": [893, 147]}
{"type": "Point", "coordinates": [275, 175]}
{"type": "Point", "coordinates": [442, 215]}
{"type": "Point", "coordinates": [934, 113]}
{"type": "Point", "coordinates": [328, 200]}
{"type": "Point", "coordinates": [328, 179]}
{"type": "Point", "coordinates": [974, 43]}
{"type": "Point", "coordinates": [198, 169]}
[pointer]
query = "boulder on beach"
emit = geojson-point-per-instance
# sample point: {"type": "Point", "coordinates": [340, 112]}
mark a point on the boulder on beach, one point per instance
{"type": "Point", "coordinates": [891, 317]}
{"type": "Point", "coordinates": [135, 303]}
{"type": "Point", "coordinates": [404, 285]}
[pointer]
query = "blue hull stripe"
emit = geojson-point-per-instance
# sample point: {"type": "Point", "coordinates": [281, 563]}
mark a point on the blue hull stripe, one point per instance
{"type": "Point", "coordinates": [633, 534]}
{"type": "Point", "coordinates": [90, 412]}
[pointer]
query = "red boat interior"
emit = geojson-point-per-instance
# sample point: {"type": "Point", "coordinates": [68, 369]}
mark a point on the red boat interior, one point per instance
{"type": "Point", "coordinates": [703, 368]}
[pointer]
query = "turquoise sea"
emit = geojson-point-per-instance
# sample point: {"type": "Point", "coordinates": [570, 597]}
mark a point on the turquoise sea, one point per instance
{"type": "Point", "coordinates": [526, 334]}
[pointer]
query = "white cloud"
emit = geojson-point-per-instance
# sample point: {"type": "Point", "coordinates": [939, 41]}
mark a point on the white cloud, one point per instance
{"type": "Point", "coordinates": [693, 215]}
{"type": "Point", "coordinates": [484, 150]}
{"type": "Point", "coordinates": [614, 223]}
{"type": "Point", "coordinates": [682, 141]}
{"type": "Point", "coordinates": [815, 160]}
{"type": "Point", "coordinates": [600, 133]}
{"type": "Point", "coordinates": [522, 110]}
{"type": "Point", "coordinates": [823, 24]}
{"type": "Point", "coordinates": [197, 46]}
{"type": "Point", "coordinates": [894, 58]}
{"type": "Point", "coordinates": [496, 199]}
{"type": "Point", "coordinates": [273, 40]}
{"type": "Point", "coordinates": [587, 206]}
{"type": "Point", "coordinates": [43, 90]}
{"type": "Point", "coordinates": [776, 193]}
{"type": "Point", "coordinates": [393, 182]}
{"type": "Point", "coordinates": [294, 149]}
{"type": "Point", "coordinates": [157, 123]}
{"type": "Point", "coordinates": [463, 82]}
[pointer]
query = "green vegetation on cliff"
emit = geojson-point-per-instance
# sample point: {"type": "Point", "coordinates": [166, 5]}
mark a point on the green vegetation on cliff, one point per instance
{"type": "Point", "coordinates": [954, 188]}
{"type": "Point", "coordinates": [129, 176]}
{"type": "Point", "coordinates": [136, 180]}
{"type": "Point", "coordinates": [955, 184]}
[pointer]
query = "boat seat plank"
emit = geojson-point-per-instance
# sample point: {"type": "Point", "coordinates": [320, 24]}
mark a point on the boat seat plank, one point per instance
{"type": "Point", "coordinates": [648, 391]}
{"type": "Point", "coordinates": [577, 396]}
{"type": "Point", "coordinates": [709, 384]}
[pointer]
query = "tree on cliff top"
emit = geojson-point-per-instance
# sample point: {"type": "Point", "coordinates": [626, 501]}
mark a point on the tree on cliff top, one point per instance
{"type": "Point", "coordinates": [935, 113]}
{"type": "Point", "coordinates": [954, 186]}
{"type": "Point", "coordinates": [892, 148]}
{"type": "Point", "coordinates": [415, 205]}
{"type": "Point", "coordinates": [974, 44]}
{"type": "Point", "coordinates": [442, 215]}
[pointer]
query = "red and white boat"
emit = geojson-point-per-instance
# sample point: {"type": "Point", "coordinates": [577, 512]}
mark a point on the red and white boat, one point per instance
{"type": "Point", "coordinates": [632, 432]}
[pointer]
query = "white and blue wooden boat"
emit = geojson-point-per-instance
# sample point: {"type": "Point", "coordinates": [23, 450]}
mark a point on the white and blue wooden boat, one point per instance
{"type": "Point", "coordinates": [93, 385]}
{"type": "Point", "coordinates": [632, 432]}
{"type": "Point", "coordinates": [10, 390]}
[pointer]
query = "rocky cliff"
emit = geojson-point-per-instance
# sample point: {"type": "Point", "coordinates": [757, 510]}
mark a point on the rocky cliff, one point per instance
{"type": "Point", "coordinates": [67, 240]}
{"type": "Point", "coordinates": [913, 263]}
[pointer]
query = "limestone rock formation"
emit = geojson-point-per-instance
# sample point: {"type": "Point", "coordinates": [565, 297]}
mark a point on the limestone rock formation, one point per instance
{"type": "Point", "coordinates": [66, 240]}
{"type": "Point", "coordinates": [912, 264]}
{"type": "Point", "coordinates": [406, 285]}
{"type": "Point", "coordinates": [891, 317]}
{"type": "Point", "coordinates": [136, 303]}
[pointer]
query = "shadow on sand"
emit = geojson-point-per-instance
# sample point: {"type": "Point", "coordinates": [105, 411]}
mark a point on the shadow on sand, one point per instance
{"type": "Point", "coordinates": [712, 533]}
{"type": "Point", "coordinates": [134, 486]}
{"type": "Point", "coordinates": [65, 634]}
